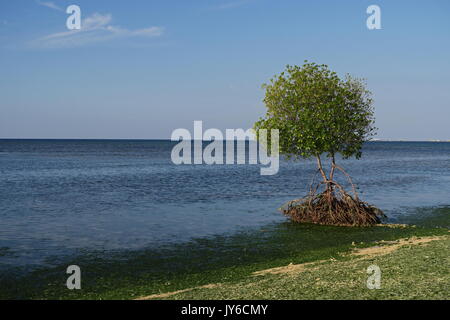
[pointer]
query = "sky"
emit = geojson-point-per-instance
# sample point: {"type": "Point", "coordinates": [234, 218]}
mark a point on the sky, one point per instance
{"type": "Point", "coordinates": [141, 69]}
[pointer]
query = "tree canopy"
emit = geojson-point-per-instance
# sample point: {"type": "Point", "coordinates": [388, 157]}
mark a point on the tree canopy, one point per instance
{"type": "Point", "coordinates": [317, 112]}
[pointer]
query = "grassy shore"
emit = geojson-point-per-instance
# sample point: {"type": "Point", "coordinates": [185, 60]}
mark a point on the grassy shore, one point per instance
{"type": "Point", "coordinates": [418, 269]}
{"type": "Point", "coordinates": [317, 262]}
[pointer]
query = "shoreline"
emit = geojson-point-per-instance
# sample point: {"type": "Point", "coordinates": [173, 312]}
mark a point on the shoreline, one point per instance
{"type": "Point", "coordinates": [343, 278]}
{"type": "Point", "coordinates": [209, 265]}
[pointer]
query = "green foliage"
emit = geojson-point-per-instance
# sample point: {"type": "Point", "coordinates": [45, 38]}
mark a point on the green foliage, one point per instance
{"type": "Point", "coordinates": [317, 112]}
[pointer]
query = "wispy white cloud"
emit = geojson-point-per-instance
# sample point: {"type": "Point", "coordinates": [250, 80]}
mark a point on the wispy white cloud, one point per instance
{"type": "Point", "coordinates": [94, 28]}
{"type": "Point", "coordinates": [49, 4]}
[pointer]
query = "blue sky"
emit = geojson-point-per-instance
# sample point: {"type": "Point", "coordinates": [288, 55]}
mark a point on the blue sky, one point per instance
{"type": "Point", "coordinates": [144, 68]}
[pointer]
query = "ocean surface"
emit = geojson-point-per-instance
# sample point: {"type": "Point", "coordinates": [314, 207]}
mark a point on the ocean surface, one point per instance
{"type": "Point", "coordinates": [65, 197]}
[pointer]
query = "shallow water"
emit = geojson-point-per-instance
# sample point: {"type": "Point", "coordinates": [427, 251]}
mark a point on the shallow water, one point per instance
{"type": "Point", "coordinates": [63, 197]}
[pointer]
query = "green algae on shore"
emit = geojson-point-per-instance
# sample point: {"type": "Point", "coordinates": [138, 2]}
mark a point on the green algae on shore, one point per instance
{"type": "Point", "coordinates": [200, 262]}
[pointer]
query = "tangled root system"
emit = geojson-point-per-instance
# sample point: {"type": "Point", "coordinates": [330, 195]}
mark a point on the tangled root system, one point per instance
{"type": "Point", "coordinates": [333, 207]}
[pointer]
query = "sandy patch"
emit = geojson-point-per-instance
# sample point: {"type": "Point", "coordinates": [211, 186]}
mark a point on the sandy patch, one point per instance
{"type": "Point", "coordinates": [384, 247]}
{"type": "Point", "coordinates": [391, 246]}
{"type": "Point", "coordinates": [168, 294]}
{"type": "Point", "coordinates": [395, 225]}
{"type": "Point", "coordinates": [290, 268]}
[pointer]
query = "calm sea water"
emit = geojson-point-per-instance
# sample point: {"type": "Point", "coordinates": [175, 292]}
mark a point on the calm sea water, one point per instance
{"type": "Point", "coordinates": [62, 197]}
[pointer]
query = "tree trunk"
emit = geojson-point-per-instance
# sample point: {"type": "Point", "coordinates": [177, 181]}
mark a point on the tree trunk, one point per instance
{"type": "Point", "coordinates": [319, 164]}
{"type": "Point", "coordinates": [333, 167]}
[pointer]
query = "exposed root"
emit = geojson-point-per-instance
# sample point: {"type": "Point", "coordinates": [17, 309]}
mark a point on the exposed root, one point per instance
{"type": "Point", "coordinates": [332, 207]}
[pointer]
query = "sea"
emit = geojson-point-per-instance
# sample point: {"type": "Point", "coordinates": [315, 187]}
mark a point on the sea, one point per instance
{"type": "Point", "coordinates": [62, 197]}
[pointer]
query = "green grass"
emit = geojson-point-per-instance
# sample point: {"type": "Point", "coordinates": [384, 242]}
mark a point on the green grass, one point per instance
{"type": "Point", "coordinates": [222, 259]}
{"type": "Point", "coordinates": [415, 272]}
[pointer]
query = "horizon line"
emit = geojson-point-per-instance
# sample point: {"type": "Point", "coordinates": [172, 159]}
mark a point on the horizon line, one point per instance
{"type": "Point", "coordinates": [165, 139]}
